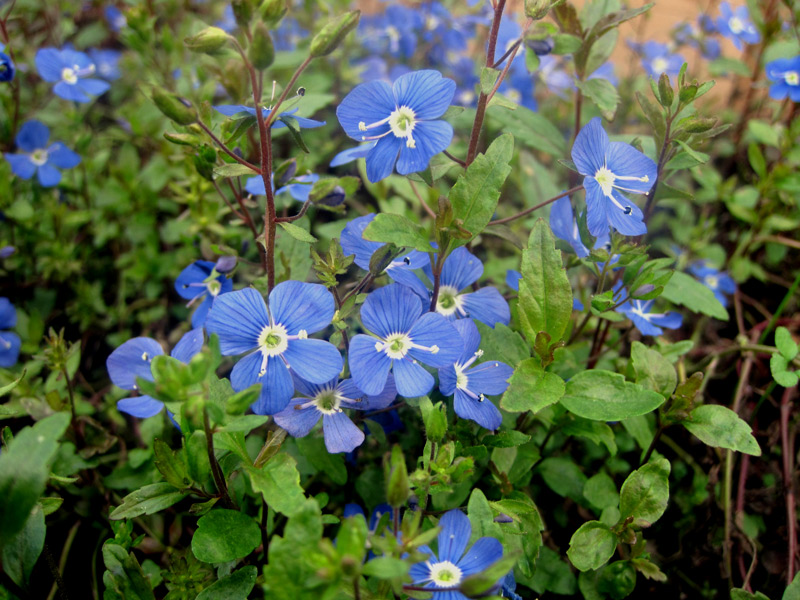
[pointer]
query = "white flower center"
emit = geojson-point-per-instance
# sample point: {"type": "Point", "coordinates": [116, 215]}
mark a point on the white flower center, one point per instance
{"type": "Point", "coordinates": [214, 288]}
{"type": "Point", "coordinates": [736, 25]}
{"type": "Point", "coordinates": [402, 122]}
{"type": "Point", "coordinates": [636, 308]}
{"type": "Point", "coordinates": [608, 180]}
{"type": "Point", "coordinates": [397, 345]}
{"type": "Point", "coordinates": [712, 281]}
{"type": "Point", "coordinates": [449, 301]}
{"type": "Point", "coordinates": [328, 401]}
{"type": "Point", "coordinates": [791, 77]}
{"type": "Point", "coordinates": [69, 75]}
{"type": "Point", "coordinates": [273, 340]}
{"type": "Point", "coordinates": [445, 574]}
{"type": "Point", "coordinates": [659, 65]}
{"type": "Point", "coordinates": [39, 157]}
{"type": "Point", "coordinates": [462, 381]}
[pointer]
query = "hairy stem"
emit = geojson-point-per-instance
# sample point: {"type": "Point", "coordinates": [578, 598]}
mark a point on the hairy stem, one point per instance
{"type": "Point", "coordinates": [528, 211]}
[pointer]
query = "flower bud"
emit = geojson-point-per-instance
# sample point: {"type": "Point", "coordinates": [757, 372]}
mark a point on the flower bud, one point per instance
{"type": "Point", "coordinates": [542, 46]}
{"type": "Point", "coordinates": [398, 488]}
{"type": "Point", "coordinates": [242, 12]}
{"type": "Point", "coordinates": [262, 51]}
{"type": "Point", "coordinates": [331, 36]}
{"type": "Point", "coordinates": [179, 110]}
{"type": "Point", "coordinates": [225, 264]}
{"type": "Point", "coordinates": [272, 11]}
{"type": "Point", "coordinates": [285, 171]}
{"type": "Point", "coordinates": [208, 41]}
{"type": "Point", "coordinates": [334, 198]}
{"type": "Point", "coordinates": [538, 9]}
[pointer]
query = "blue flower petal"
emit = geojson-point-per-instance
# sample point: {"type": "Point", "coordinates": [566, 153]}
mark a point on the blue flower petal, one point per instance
{"type": "Point", "coordinates": [353, 242]}
{"type": "Point", "coordinates": [470, 337]}
{"type": "Point", "coordinates": [298, 421]}
{"type": "Point", "coordinates": [367, 103]}
{"type": "Point", "coordinates": [316, 361]}
{"type": "Point", "coordinates": [380, 161]}
{"type": "Point", "coordinates": [93, 87]}
{"type": "Point", "coordinates": [21, 165]}
{"type": "Point", "coordinates": [426, 92]}
{"type": "Point", "coordinates": [411, 379]}
{"type": "Point", "coordinates": [349, 389]}
{"type": "Point", "coordinates": [200, 315]}
{"type": "Point", "coordinates": [512, 279]}
{"type": "Point", "coordinates": [368, 367]}
{"type": "Point", "coordinates": [140, 407]}
{"type": "Point", "coordinates": [489, 377]}
{"type": "Point", "coordinates": [454, 536]}
{"type": "Point", "coordinates": [230, 110]}
{"type": "Point", "coordinates": [49, 64]}
{"type": "Point", "coordinates": [484, 552]}
{"type": "Point", "coordinates": [670, 320]}
{"type": "Point", "coordinates": [596, 202]}
{"type": "Point", "coordinates": [48, 175]}
{"type": "Point", "coordinates": [461, 269]}
{"type": "Point", "coordinates": [190, 344]}
{"type": "Point", "coordinates": [631, 223]}
{"type": "Point", "coordinates": [347, 156]}
{"type": "Point", "coordinates": [447, 379]}
{"type": "Point", "coordinates": [197, 272]}
{"type": "Point", "coordinates": [588, 151]}
{"type": "Point", "coordinates": [71, 92]}
{"type": "Point", "coordinates": [33, 135]}
{"type": "Point", "coordinates": [430, 137]}
{"type": "Point", "coordinates": [432, 329]}
{"type": "Point", "coordinates": [391, 309]}
{"type": "Point", "coordinates": [488, 306]}
{"type": "Point", "coordinates": [623, 160]}
{"type": "Point", "coordinates": [255, 186]}
{"type": "Point", "coordinates": [9, 349]}
{"type": "Point", "coordinates": [484, 413]}
{"type": "Point", "coordinates": [8, 314]}
{"type": "Point", "coordinates": [341, 434]}
{"type": "Point", "coordinates": [407, 277]}
{"type": "Point", "coordinates": [238, 318]}
{"type": "Point", "coordinates": [301, 306]}
{"type": "Point", "coordinates": [62, 157]}
{"type": "Point", "coordinates": [131, 360]}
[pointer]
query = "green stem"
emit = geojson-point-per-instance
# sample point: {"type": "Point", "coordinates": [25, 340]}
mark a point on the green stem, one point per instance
{"type": "Point", "coordinates": [216, 470]}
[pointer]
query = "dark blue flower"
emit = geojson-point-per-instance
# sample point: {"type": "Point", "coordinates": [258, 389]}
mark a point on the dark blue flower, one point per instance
{"type": "Point", "coordinates": [326, 401]}
{"type": "Point", "coordinates": [737, 26]}
{"type": "Point", "coordinates": [7, 68]}
{"type": "Point", "coordinates": [132, 359]}
{"type": "Point", "coordinates": [462, 269]}
{"type": "Point", "coordinates": [718, 282]}
{"type": "Point", "coordinates": [353, 243]}
{"type": "Point", "coordinates": [107, 63]}
{"type": "Point", "coordinates": [404, 336]}
{"type": "Point", "coordinates": [402, 118]}
{"type": "Point", "coordinates": [72, 72]}
{"type": "Point", "coordinates": [638, 311]}
{"type": "Point", "coordinates": [232, 110]}
{"type": "Point", "coordinates": [9, 341]}
{"type": "Point", "coordinates": [471, 384]}
{"type": "Point", "coordinates": [608, 167]}
{"type": "Point", "coordinates": [195, 284]}
{"type": "Point", "coordinates": [276, 340]}
{"type": "Point", "coordinates": [450, 565]}
{"type": "Point", "coordinates": [37, 157]}
{"type": "Point", "coordinates": [785, 75]}
{"type": "Point", "coordinates": [299, 189]}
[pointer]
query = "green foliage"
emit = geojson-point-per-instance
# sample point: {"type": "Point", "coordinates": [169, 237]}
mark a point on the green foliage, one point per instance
{"type": "Point", "coordinates": [606, 396]}
{"type": "Point", "coordinates": [223, 535]}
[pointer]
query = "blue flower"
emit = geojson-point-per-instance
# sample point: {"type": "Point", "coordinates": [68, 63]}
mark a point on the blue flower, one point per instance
{"type": "Point", "coordinates": [72, 72]}
{"type": "Point", "coordinates": [132, 359]}
{"type": "Point", "coordinates": [194, 284]}
{"type": "Point", "coordinates": [450, 565]}
{"type": "Point", "coordinates": [638, 311]}
{"type": "Point", "coordinates": [347, 156]}
{"type": "Point", "coordinates": [231, 110]}
{"type": "Point", "coordinates": [509, 587]}
{"type": "Point", "coordinates": [785, 73]}
{"type": "Point", "coordinates": [657, 59]}
{"type": "Point", "coordinates": [228, 21]}
{"type": "Point", "coordinates": [9, 341]}
{"type": "Point", "coordinates": [299, 190]}
{"type": "Point", "coordinates": [116, 19]}
{"type": "Point", "coordinates": [276, 339]}
{"type": "Point", "coordinates": [107, 63]}
{"type": "Point", "coordinates": [7, 68]}
{"type": "Point", "coordinates": [353, 243]}
{"type": "Point", "coordinates": [393, 32]}
{"type": "Point", "coordinates": [737, 26]}
{"type": "Point", "coordinates": [608, 167]}
{"type": "Point", "coordinates": [462, 269]}
{"type": "Point", "coordinates": [565, 226]}
{"type": "Point", "coordinates": [327, 401]}
{"type": "Point", "coordinates": [718, 282]}
{"type": "Point", "coordinates": [39, 158]}
{"type": "Point", "coordinates": [470, 385]}
{"type": "Point", "coordinates": [405, 335]}
{"type": "Point", "coordinates": [402, 118]}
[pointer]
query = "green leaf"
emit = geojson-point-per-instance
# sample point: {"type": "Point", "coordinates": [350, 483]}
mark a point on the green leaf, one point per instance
{"type": "Point", "coordinates": [502, 343]}
{"type": "Point", "coordinates": [294, 131]}
{"type": "Point", "coordinates": [386, 567]}
{"type": "Point", "coordinates": [480, 583]}
{"type": "Point", "coordinates": [594, 431]}
{"type": "Point", "coordinates": [233, 170]}
{"type": "Point", "coordinates": [532, 130]}
{"type": "Point", "coordinates": [739, 594]}
{"type": "Point", "coordinates": [764, 133]}
{"type": "Point", "coordinates": [545, 295]}
{"type": "Point", "coordinates": [125, 573]}
{"type": "Point", "coordinates": [352, 538]}
{"type": "Point", "coordinates": [591, 546]}
{"type": "Point", "coordinates": [476, 192]}
{"type": "Point", "coordinates": [8, 387]}
{"type": "Point", "coordinates": [606, 396]}
{"type": "Point", "coordinates": [645, 493]}
{"type": "Point", "coordinates": [604, 95]}
{"type": "Point", "coordinates": [488, 78]}
{"type": "Point", "coordinates": [785, 344]}
{"type": "Point", "coordinates": [653, 371]}
{"type": "Point", "coordinates": [686, 291]}
{"type": "Point", "coordinates": [313, 448]}
{"type": "Point", "coordinates": [21, 552]}
{"type": "Point", "coordinates": [720, 427]}
{"type": "Point", "coordinates": [563, 476]}
{"type": "Point", "coordinates": [279, 482]}
{"type": "Point", "coordinates": [146, 501]}
{"type": "Point", "coordinates": [792, 592]}
{"type": "Point", "coordinates": [298, 232]}
{"type": "Point", "coordinates": [236, 586]}
{"type": "Point", "coordinates": [24, 471]}
{"type": "Point", "coordinates": [779, 367]}
{"type": "Point", "coordinates": [505, 439]}
{"type": "Point", "coordinates": [700, 157]}
{"type": "Point", "coordinates": [601, 491]}
{"type": "Point", "coordinates": [171, 465]}
{"type": "Point", "coordinates": [532, 388]}
{"type": "Point", "coordinates": [397, 229]}
{"type": "Point", "coordinates": [223, 535]}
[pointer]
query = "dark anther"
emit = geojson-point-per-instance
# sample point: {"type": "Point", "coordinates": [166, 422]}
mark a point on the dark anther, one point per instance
{"type": "Point", "coordinates": [628, 210]}
{"type": "Point", "coordinates": [406, 260]}
{"type": "Point", "coordinates": [301, 91]}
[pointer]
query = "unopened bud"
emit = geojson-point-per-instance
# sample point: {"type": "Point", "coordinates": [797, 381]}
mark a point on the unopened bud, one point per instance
{"type": "Point", "coordinates": [242, 12]}
{"type": "Point", "coordinates": [272, 11]}
{"type": "Point", "coordinates": [541, 47]}
{"type": "Point", "coordinates": [332, 35]}
{"type": "Point", "coordinates": [225, 264]}
{"type": "Point", "coordinates": [208, 41]}
{"type": "Point", "coordinates": [174, 107]}
{"type": "Point", "coordinates": [538, 9]}
{"type": "Point", "coordinates": [262, 51]}
{"type": "Point", "coordinates": [285, 172]}
{"type": "Point", "coordinates": [700, 124]}
{"type": "Point", "coordinates": [334, 198]}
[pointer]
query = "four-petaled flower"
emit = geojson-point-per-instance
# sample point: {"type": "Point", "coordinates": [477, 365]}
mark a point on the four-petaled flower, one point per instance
{"type": "Point", "coordinates": [39, 158]}
{"type": "Point", "coordinates": [402, 118]}
{"type": "Point", "coordinates": [462, 269]}
{"type": "Point", "coordinates": [7, 68]}
{"type": "Point", "coordinates": [232, 110]}
{"type": "Point", "coordinates": [718, 282]}
{"type": "Point", "coordinates": [638, 311]}
{"type": "Point", "coordinates": [73, 73]}
{"type": "Point", "coordinates": [471, 384]}
{"type": "Point", "coordinates": [406, 336]}
{"type": "Point", "coordinates": [449, 566]}
{"type": "Point", "coordinates": [195, 284]}
{"type": "Point", "coordinates": [657, 59]}
{"type": "Point", "coordinates": [737, 26]}
{"type": "Point", "coordinates": [608, 167]}
{"type": "Point", "coordinates": [276, 339]}
{"type": "Point", "coordinates": [9, 341]}
{"type": "Point", "coordinates": [327, 401]}
{"type": "Point", "coordinates": [132, 359]}
{"type": "Point", "coordinates": [785, 73]}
